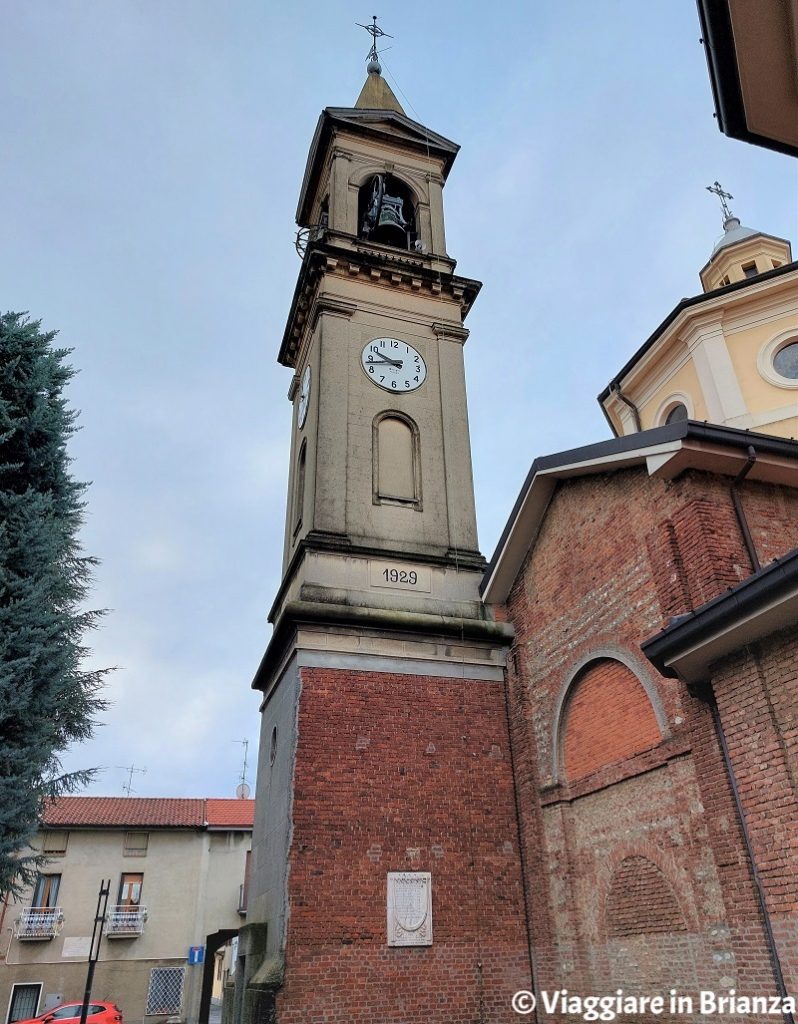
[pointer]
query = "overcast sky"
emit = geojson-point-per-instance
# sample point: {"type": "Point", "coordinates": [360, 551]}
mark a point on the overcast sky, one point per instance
{"type": "Point", "coordinates": [152, 158]}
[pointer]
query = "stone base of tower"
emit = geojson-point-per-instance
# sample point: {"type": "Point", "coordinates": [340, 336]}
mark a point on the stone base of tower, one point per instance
{"type": "Point", "coordinates": [390, 771]}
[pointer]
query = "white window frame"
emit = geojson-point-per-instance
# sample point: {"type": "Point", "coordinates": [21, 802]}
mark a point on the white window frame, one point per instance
{"type": "Point", "coordinates": [24, 984]}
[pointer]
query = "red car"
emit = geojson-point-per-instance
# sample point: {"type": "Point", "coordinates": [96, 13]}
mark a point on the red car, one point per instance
{"type": "Point", "coordinates": [99, 1013]}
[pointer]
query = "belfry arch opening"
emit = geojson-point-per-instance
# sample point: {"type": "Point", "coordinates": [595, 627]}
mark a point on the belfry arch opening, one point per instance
{"type": "Point", "coordinates": [387, 212]}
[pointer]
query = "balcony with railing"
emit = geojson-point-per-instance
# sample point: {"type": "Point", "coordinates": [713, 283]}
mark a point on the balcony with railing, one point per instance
{"type": "Point", "coordinates": [125, 922]}
{"type": "Point", "coordinates": [38, 923]}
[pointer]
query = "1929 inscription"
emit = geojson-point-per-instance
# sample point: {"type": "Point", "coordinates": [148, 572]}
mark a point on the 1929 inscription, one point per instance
{"type": "Point", "coordinates": [399, 577]}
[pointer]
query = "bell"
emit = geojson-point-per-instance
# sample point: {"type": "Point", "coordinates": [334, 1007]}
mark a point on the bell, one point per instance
{"type": "Point", "coordinates": [392, 218]}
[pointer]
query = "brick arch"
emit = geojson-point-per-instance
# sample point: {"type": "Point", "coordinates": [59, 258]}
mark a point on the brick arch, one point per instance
{"type": "Point", "coordinates": [641, 901]}
{"type": "Point", "coordinates": [677, 878]}
{"type": "Point", "coordinates": [606, 715]}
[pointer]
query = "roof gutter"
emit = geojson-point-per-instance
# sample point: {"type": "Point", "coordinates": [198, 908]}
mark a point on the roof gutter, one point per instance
{"type": "Point", "coordinates": [775, 585]}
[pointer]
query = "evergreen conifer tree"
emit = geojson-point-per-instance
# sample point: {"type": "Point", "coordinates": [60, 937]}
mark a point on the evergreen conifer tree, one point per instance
{"type": "Point", "coordinates": [47, 699]}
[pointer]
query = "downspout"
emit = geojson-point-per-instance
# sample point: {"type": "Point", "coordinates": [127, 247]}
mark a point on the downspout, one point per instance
{"type": "Point", "coordinates": [615, 389]}
{"type": "Point", "coordinates": [740, 512]}
{"type": "Point", "coordinates": [760, 891]}
{"type": "Point", "coordinates": [2, 921]}
{"type": "Point", "coordinates": [533, 973]}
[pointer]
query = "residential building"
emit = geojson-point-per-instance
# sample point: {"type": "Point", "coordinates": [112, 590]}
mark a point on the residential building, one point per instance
{"type": "Point", "coordinates": [177, 872]}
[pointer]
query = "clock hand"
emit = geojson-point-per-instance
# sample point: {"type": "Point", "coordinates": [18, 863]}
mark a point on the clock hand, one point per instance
{"type": "Point", "coordinates": [384, 359]}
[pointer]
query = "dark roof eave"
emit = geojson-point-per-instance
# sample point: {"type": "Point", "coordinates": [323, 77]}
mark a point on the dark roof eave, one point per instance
{"type": "Point", "coordinates": [724, 77]}
{"type": "Point", "coordinates": [776, 581]}
{"type": "Point", "coordinates": [127, 826]}
{"type": "Point", "coordinates": [695, 300]}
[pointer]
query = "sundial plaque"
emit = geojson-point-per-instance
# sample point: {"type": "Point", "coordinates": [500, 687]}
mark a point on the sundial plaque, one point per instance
{"type": "Point", "coordinates": [409, 908]}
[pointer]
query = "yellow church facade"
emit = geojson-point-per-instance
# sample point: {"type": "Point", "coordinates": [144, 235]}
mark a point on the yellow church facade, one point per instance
{"type": "Point", "coordinates": [728, 355]}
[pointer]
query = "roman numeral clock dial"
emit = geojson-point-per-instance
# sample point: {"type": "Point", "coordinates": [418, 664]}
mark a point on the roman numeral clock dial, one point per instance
{"type": "Point", "coordinates": [393, 365]}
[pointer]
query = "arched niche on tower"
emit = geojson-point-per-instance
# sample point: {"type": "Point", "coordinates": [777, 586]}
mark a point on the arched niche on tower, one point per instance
{"type": "Point", "coordinates": [396, 460]}
{"type": "Point", "coordinates": [299, 487]}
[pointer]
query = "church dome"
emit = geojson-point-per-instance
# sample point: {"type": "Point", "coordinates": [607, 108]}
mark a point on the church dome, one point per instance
{"type": "Point", "coordinates": [741, 253]}
{"type": "Point", "coordinates": [733, 232]}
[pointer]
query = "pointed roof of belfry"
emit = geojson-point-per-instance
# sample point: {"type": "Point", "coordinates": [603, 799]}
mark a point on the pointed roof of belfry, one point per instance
{"type": "Point", "coordinates": [376, 94]}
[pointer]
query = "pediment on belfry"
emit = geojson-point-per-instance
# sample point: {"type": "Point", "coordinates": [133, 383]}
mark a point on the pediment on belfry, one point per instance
{"type": "Point", "coordinates": [390, 122]}
{"type": "Point", "coordinates": [380, 125]}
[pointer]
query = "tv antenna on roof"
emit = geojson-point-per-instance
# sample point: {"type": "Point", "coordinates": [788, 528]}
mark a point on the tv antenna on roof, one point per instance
{"type": "Point", "coordinates": [243, 789]}
{"type": "Point", "coordinates": [127, 787]}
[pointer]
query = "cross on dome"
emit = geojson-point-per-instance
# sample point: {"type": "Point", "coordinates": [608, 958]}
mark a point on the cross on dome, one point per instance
{"type": "Point", "coordinates": [716, 189]}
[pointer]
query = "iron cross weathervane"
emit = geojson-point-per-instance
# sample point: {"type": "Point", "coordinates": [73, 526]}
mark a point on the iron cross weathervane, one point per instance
{"type": "Point", "coordinates": [375, 32]}
{"type": "Point", "coordinates": [723, 196]}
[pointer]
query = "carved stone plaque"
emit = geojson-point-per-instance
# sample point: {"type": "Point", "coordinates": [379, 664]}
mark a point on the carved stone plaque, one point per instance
{"type": "Point", "coordinates": [409, 908]}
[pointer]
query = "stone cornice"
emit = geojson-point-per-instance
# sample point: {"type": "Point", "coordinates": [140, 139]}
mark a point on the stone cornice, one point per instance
{"type": "Point", "coordinates": [318, 540]}
{"type": "Point", "coordinates": [393, 268]}
{"type": "Point", "coordinates": [452, 332]}
{"type": "Point", "coordinates": [390, 621]}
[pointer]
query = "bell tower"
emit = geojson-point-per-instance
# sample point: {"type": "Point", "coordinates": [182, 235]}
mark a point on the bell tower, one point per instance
{"type": "Point", "coordinates": [385, 849]}
{"type": "Point", "coordinates": [380, 456]}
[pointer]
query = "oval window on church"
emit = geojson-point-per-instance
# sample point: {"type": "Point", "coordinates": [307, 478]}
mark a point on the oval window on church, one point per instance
{"type": "Point", "coordinates": [785, 361]}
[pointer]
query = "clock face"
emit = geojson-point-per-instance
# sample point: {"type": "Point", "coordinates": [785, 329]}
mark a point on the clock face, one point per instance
{"type": "Point", "coordinates": [304, 398]}
{"type": "Point", "coordinates": [393, 365]}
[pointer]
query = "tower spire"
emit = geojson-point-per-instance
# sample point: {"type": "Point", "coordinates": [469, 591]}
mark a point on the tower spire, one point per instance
{"type": "Point", "coordinates": [376, 94]}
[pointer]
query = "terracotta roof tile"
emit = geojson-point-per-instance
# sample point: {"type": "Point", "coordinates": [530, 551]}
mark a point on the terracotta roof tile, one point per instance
{"type": "Point", "coordinates": [147, 812]}
{"type": "Point", "coordinates": [234, 813]}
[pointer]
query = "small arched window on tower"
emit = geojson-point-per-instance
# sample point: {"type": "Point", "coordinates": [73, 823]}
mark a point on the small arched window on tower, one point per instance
{"type": "Point", "coordinates": [386, 212]}
{"type": "Point", "coordinates": [396, 461]}
{"type": "Point", "coordinates": [299, 486]}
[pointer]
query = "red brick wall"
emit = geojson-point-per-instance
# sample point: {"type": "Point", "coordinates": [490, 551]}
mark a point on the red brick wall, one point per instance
{"type": "Point", "coordinates": [641, 901]}
{"type": "Point", "coordinates": [618, 555]}
{"type": "Point", "coordinates": [398, 772]}
{"type": "Point", "coordinates": [757, 695]}
{"type": "Point", "coordinates": [608, 718]}
{"type": "Point", "coordinates": [772, 514]}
